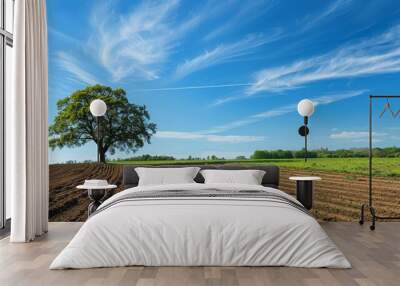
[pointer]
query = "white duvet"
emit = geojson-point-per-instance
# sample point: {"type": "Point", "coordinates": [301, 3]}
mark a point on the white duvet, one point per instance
{"type": "Point", "coordinates": [193, 231]}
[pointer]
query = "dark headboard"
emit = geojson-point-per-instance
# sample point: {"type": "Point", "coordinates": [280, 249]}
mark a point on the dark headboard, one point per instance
{"type": "Point", "coordinates": [271, 178]}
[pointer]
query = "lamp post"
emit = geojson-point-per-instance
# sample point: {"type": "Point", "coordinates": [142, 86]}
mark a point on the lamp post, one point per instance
{"type": "Point", "coordinates": [305, 109]}
{"type": "Point", "coordinates": [98, 108]}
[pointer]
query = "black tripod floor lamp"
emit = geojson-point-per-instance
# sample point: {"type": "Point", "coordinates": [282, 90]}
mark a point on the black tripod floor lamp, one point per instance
{"type": "Point", "coordinates": [305, 108]}
{"type": "Point", "coordinates": [98, 108]}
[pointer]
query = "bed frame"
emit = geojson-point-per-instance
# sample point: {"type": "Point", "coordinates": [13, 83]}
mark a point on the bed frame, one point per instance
{"type": "Point", "coordinates": [130, 178]}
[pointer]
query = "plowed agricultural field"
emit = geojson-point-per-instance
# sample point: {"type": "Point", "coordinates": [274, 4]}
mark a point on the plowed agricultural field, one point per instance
{"type": "Point", "coordinates": [66, 202]}
{"type": "Point", "coordinates": [336, 198]}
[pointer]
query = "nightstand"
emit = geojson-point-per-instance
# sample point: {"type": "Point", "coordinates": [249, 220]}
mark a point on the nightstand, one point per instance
{"type": "Point", "coordinates": [304, 190]}
{"type": "Point", "coordinates": [96, 194]}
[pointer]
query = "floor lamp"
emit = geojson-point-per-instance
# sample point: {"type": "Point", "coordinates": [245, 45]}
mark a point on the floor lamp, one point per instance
{"type": "Point", "coordinates": [98, 108]}
{"type": "Point", "coordinates": [305, 109]}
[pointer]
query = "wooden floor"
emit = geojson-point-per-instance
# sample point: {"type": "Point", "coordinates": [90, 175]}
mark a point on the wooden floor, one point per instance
{"type": "Point", "coordinates": [375, 257]}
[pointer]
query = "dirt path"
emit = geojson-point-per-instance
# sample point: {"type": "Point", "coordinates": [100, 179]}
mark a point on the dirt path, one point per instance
{"type": "Point", "coordinates": [336, 198]}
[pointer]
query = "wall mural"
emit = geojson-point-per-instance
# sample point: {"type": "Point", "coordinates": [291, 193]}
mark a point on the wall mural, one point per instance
{"type": "Point", "coordinates": [207, 82]}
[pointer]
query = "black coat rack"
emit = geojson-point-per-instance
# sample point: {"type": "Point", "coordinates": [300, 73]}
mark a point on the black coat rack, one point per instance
{"type": "Point", "coordinates": [369, 204]}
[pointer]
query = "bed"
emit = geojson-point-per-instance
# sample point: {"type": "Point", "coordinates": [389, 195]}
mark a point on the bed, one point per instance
{"type": "Point", "coordinates": [198, 224]}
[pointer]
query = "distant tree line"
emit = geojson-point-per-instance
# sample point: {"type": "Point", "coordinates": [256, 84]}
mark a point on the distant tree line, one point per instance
{"type": "Point", "coordinates": [148, 157]}
{"type": "Point", "coordinates": [388, 152]}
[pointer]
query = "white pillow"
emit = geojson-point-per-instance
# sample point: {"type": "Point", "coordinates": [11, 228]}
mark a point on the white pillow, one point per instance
{"type": "Point", "coordinates": [248, 177]}
{"type": "Point", "coordinates": [166, 176]}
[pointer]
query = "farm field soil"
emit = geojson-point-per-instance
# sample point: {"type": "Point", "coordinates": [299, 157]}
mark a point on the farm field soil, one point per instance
{"type": "Point", "coordinates": [336, 198]}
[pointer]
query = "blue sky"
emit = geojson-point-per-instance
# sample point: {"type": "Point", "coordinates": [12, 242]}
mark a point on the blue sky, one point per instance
{"type": "Point", "coordinates": [224, 77]}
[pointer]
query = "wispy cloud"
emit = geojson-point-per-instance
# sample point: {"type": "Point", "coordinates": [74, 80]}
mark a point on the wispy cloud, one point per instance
{"type": "Point", "coordinates": [355, 135]}
{"type": "Point", "coordinates": [64, 37]}
{"type": "Point", "coordinates": [208, 137]}
{"type": "Point", "coordinates": [71, 65]}
{"type": "Point", "coordinates": [377, 55]}
{"type": "Point", "coordinates": [195, 87]}
{"type": "Point", "coordinates": [244, 13]}
{"type": "Point", "coordinates": [333, 97]}
{"type": "Point", "coordinates": [358, 136]}
{"type": "Point", "coordinates": [231, 125]}
{"type": "Point", "coordinates": [136, 44]}
{"type": "Point", "coordinates": [223, 100]}
{"type": "Point", "coordinates": [211, 133]}
{"type": "Point", "coordinates": [333, 9]}
{"type": "Point", "coordinates": [279, 111]}
{"type": "Point", "coordinates": [321, 100]}
{"type": "Point", "coordinates": [223, 53]}
{"type": "Point", "coordinates": [276, 111]}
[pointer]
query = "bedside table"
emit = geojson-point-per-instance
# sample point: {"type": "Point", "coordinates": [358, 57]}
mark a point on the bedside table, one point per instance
{"type": "Point", "coordinates": [96, 195]}
{"type": "Point", "coordinates": [304, 190]}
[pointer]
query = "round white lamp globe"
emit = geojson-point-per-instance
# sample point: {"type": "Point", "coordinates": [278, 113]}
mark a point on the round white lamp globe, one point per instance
{"type": "Point", "coordinates": [305, 107]}
{"type": "Point", "coordinates": [98, 107]}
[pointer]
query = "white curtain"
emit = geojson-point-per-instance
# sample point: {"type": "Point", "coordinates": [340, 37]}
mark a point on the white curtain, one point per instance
{"type": "Point", "coordinates": [27, 123]}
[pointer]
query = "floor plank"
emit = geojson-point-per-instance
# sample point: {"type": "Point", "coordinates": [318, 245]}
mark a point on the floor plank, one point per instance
{"type": "Point", "coordinates": [375, 257]}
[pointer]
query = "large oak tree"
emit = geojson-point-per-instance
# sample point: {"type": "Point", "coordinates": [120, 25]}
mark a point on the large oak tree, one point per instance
{"type": "Point", "coordinates": [125, 126]}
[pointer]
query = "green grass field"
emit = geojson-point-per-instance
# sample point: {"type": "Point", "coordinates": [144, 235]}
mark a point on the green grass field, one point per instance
{"type": "Point", "coordinates": [382, 166]}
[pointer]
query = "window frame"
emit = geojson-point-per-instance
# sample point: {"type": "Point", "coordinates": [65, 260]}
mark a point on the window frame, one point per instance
{"type": "Point", "coordinates": [6, 39]}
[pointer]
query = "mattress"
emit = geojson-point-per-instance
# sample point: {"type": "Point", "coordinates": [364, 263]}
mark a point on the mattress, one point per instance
{"type": "Point", "coordinates": [201, 225]}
